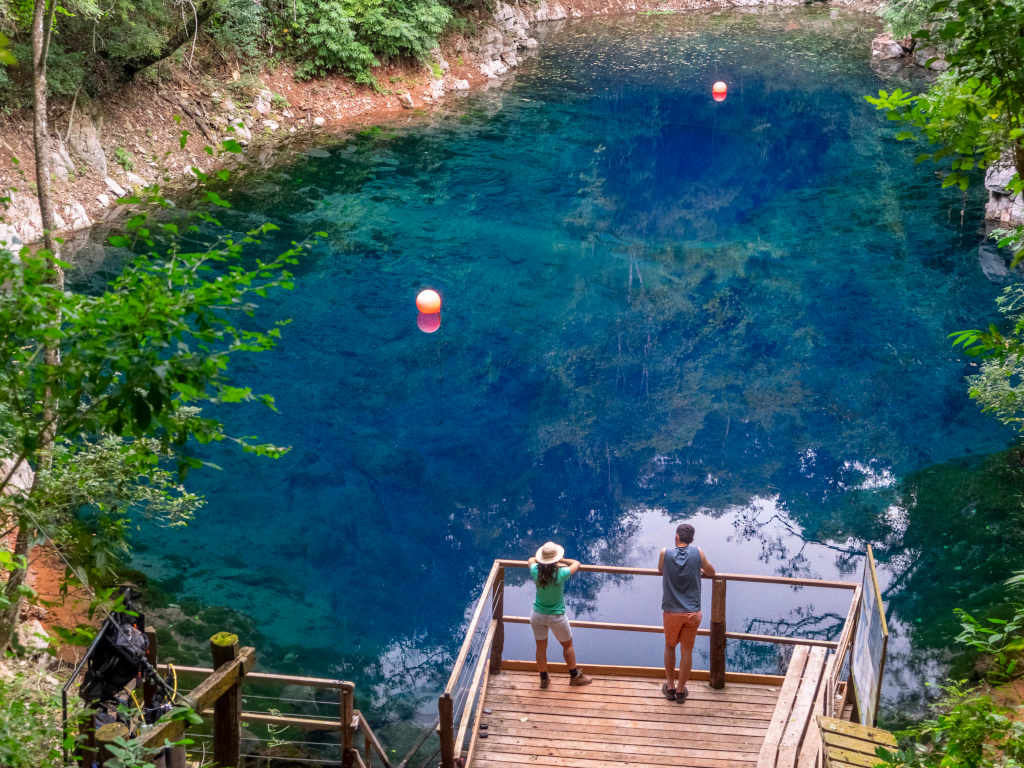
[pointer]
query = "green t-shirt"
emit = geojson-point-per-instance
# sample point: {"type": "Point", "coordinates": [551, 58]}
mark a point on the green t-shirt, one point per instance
{"type": "Point", "coordinates": [550, 598]}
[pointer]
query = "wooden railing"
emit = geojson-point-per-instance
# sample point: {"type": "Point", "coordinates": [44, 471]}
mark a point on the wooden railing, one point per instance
{"type": "Point", "coordinates": [220, 694]}
{"type": "Point", "coordinates": [452, 735]}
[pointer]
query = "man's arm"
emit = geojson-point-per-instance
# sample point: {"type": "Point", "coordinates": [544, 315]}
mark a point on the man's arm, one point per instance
{"type": "Point", "coordinates": [661, 562]}
{"type": "Point", "coordinates": [706, 568]}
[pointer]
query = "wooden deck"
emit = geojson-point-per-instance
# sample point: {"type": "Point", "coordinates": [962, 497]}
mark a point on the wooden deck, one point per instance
{"type": "Point", "coordinates": [493, 714]}
{"type": "Point", "coordinates": [620, 720]}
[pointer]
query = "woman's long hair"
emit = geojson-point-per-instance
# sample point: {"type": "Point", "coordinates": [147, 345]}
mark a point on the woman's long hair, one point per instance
{"type": "Point", "coordinates": [547, 573]}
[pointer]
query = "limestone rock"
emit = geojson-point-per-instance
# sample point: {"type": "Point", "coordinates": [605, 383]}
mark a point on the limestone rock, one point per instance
{"type": "Point", "coordinates": [114, 187]}
{"type": "Point", "coordinates": [77, 216]}
{"type": "Point", "coordinates": [885, 47]}
{"type": "Point", "coordinates": [21, 480]}
{"type": "Point", "coordinates": [992, 263]}
{"type": "Point", "coordinates": [318, 122]}
{"type": "Point", "coordinates": [136, 181]}
{"type": "Point", "coordinates": [85, 143]}
{"type": "Point", "coordinates": [405, 99]}
{"type": "Point", "coordinates": [1003, 206]}
{"type": "Point", "coordinates": [931, 58]}
{"type": "Point", "coordinates": [32, 636]}
{"type": "Point", "coordinates": [461, 85]}
{"type": "Point", "coordinates": [263, 101]}
{"type": "Point", "coordinates": [546, 11]}
{"type": "Point", "coordinates": [63, 166]}
{"type": "Point", "coordinates": [103, 200]}
{"type": "Point", "coordinates": [22, 218]}
{"type": "Point", "coordinates": [240, 131]}
{"type": "Point", "coordinates": [271, 125]}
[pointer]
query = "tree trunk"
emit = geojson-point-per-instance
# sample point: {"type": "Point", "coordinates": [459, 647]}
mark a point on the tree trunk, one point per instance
{"type": "Point", "coordinates": [42, 28]}
{"type": "Point", "coordinates": [9, 617]}
{"type": "Point", "coordinates": [203, 10]}
{"type": "Point", "coordinates": [1018, 158]}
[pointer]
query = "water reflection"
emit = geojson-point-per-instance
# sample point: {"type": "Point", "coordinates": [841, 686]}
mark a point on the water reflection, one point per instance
{"type": "Point", "coordinates": [728, 313]}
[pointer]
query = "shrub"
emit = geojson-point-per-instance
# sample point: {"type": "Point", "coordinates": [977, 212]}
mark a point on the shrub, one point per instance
{"type": "Point", "coordinates": [240, 27]}
{"type": "Point", "coordinates": [30, 710]}
{"type": "Point", "coordinates": [348, 36]}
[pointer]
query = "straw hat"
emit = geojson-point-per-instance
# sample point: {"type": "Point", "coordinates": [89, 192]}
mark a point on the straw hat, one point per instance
{"type": "Point", "coordinates": [550, 553]}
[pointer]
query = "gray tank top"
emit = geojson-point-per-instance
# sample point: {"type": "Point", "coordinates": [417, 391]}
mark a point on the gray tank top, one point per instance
{"type": "Point", "coordinates": [680, 580]}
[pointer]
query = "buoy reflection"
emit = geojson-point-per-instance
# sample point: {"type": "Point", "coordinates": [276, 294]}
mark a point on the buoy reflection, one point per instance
{"type": "Point", "coordinates": [428, 323]}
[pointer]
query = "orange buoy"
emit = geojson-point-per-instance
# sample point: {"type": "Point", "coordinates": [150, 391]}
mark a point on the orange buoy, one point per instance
{"type": "Point", "coordinates": [719, 91]}
{"type": "Point", "coordinates": [428, 323]}
{"type": "Point", "coordinates": [428, 302]}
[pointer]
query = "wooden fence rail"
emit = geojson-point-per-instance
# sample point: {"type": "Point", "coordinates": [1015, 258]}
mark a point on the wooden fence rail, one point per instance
{"type": "Point", "coordinates": [220, 695]}
{"type": "Point", "coordinates": [452, 735]}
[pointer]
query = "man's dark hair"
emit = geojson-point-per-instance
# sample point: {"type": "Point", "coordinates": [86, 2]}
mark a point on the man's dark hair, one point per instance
{"type": "Point", "coordinates": [684, 532]}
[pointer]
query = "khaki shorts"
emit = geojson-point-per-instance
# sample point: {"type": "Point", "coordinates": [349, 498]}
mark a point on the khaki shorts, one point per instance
{"type": "Point", "coordinates": [556, 622]}
{"type": "Point", "coordinates": [681, 628]}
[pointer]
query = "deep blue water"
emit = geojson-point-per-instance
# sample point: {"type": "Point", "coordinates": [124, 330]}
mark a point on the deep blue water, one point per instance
{"type": "Point", "coordinates": [656, 308]}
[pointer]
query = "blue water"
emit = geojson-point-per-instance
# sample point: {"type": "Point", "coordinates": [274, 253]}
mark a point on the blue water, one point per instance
{"type": "Point", "coordinates": [656, 308]}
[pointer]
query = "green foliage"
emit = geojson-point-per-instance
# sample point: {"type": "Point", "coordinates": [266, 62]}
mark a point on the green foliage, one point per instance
{"type": "Point", "coordinates": [124, 158]}
{"type": "Point", "coordinates": [974, 113]}
{"type": "Point", "coordinates": [350, 35]}
{"type": "Point", "coordinates": [239, 28]}
{"type": "Point", "coordinates": [30, 711]}
{"type": "Point", "coordinates": [139, 361]}
{"type": "Point", "coordinates": [908, 17]}
{"type": "Point", "coordinates": [998, 386]}
{"type": "Point", "coordinates": [958, 119]}
{"type": "Point", "coordinates": [969, 729]}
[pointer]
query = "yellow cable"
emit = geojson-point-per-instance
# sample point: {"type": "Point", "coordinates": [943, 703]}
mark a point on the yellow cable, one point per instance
{"type": "Point", "coordinates": [174, 673]}
{"type": "Point", "coordinates": [136, 700]}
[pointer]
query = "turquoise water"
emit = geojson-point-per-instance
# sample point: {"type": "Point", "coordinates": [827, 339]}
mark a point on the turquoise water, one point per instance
{"type": "Point", "coordinates": [656, 308]}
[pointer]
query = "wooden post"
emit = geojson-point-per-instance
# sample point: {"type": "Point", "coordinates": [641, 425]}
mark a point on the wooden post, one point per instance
{"type": "Point", "coordinates": [498, 600]}
{"type": "Point", "coordinates": [176, 758]}
{"type": "Point", "coordinates": [105, 735]}
{"type": "Point", "coordinates": [227, 711]}
{"type": "Point", "coordinates": [368, 746]}
{"type": "Point", "coordinates": [347, 707]}
{"type": "Point", "coordinates": [149, 687]}
{"type": "Point", "coordinates": [85, 749]}
{"type": "Point", "coordinates": [717, 660]}
{"type": "Point", "coordinates": [446, 730]}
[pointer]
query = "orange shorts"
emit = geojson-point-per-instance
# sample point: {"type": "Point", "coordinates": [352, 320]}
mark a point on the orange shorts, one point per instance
{"type": "Point", "coordinates": [681, 628]}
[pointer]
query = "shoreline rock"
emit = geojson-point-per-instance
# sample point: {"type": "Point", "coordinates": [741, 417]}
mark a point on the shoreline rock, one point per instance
{"type": "Point", "coordinates": [502, 41]}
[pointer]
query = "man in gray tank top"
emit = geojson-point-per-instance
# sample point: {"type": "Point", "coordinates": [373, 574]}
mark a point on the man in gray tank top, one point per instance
{"type": "Point", "coordinates": [681, 569]}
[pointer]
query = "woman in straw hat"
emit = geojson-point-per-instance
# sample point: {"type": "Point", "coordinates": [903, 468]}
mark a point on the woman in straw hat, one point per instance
{"type": "Point", "coordinates": [549, 570]}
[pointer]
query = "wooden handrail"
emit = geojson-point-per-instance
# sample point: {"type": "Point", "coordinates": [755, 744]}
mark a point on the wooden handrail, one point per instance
{"type": "Point", "coordinates": [787, 581]}
{"type": "Point", "coordinates": [460, 660]}
{"type": "Point", "coordinates": [659, 629]}
{"type": "Point", "coordinates": [372, 739]}
{"type": "Point", "coordinates": [467, 712]}
{"type": "Point", "coordinates": [843, 648]}
{"type": "Point", "coordinates": [202, 698]}
{"type": "Point", "coordinates": [310, 682]}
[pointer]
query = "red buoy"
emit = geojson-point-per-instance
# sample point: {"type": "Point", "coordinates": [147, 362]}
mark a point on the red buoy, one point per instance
{"type": "Point", "coordinates": [428, 302]}
{"type": "Point", "coordinates": [719, 91]}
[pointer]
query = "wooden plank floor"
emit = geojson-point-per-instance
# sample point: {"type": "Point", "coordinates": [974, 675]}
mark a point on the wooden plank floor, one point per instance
{"type": "Point", "coordinates": [620, 720]}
